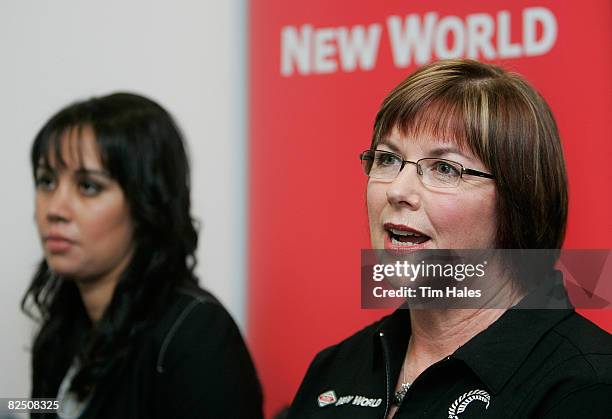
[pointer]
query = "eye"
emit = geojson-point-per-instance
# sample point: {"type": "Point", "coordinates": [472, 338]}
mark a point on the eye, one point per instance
{"type": "Point", "coordinates": [446, 169]}
{"type": "Point", "coordinates": [387, 159]}
{"type": "Point", "coordinates": [89, 187]}
{"type": "Point", "coordinates": [45, 182]}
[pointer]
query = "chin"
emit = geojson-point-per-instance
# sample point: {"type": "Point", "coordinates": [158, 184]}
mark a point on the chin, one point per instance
{"type": "Point", "coordinates": [62, 269]}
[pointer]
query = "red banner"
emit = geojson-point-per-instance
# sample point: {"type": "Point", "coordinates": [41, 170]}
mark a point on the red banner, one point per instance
{"type": "Point", "coordinates": [319, 70]}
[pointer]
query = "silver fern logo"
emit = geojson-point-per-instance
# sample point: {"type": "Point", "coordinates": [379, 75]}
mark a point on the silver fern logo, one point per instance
{"type": "Point", "coordinates": [459, 405]}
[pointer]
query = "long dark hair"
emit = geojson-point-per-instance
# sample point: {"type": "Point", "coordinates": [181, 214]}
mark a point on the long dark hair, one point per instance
{"type": "Point", "coordinates": [143, 150]}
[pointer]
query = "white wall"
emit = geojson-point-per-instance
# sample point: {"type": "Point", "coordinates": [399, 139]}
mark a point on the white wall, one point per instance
{"type": "Point", "coordinates": [188, 55]}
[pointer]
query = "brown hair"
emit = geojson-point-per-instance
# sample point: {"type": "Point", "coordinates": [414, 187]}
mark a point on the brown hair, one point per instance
{"type": "Point", "coordinates": [500, 118]}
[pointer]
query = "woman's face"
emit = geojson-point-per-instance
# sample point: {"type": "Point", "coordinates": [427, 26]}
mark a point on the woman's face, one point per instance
{"type": "Point", "coordinates": [82, 215]}
{"type": "Point", "coordinates": [442, 218]}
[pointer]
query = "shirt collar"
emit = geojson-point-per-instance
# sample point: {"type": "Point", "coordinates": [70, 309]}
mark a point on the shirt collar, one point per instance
{"type": "Point", "coordinates": [497, 352]}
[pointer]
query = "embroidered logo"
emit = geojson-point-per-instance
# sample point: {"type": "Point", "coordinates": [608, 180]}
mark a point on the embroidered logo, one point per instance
{"type": "Point", "coordinates": [366, 402]}
{"type": "Point", "coordinates": [329, 397]}
{"type": "Point", "coordinates": [462, 402]}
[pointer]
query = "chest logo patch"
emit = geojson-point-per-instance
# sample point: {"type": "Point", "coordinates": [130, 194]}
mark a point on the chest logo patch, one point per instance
{"type": "Point", "coordinates": [465, 399]}
{"type": "Point", "coordinates": [329, 397]}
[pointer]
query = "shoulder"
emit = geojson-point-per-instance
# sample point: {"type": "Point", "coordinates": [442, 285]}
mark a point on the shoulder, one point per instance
{"type": "Point", "coordinates": [584, 334]}
{"type": "Point", "coordinates": [189, 308]}
{"type": "Point", "coordinates": [197, 361]}
{"type": "Point", "coordinates": [571, 370]}
{"type": "Point", "coordinates": [586, 346]}
{"type": "Point", "coordinates": [335, 363]}
{"type": "Point", "coordinates": [357, 346]}
{"type": "Point", "coordinates": [339, 367]}
{"type": "Point", "coordinates": [194, 321]}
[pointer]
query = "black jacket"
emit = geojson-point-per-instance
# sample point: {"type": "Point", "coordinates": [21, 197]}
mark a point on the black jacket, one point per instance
{"type": "Point", "coordinates": [191, 364]}
{"type": "Point", "coordinates": [528, 364]}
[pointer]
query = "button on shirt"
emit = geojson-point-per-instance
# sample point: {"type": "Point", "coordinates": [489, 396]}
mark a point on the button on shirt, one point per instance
{"type": "Point", "coordinates": [546, 363]}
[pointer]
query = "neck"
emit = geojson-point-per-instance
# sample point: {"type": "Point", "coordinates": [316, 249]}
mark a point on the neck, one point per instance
{"type": "Point", "coordinates": [438, 333]}
{"type": "Point", "coordinates": [96, 297]}
{"type": "Point", "coordinates": [97, 292]}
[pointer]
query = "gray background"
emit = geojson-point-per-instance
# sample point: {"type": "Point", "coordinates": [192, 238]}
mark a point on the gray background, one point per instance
{"type": "Point", "coordinates": [188, 55]}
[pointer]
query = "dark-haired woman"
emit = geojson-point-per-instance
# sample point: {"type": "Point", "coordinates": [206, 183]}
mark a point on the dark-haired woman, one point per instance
{"type": "Point", "coordinates": [125, 330]}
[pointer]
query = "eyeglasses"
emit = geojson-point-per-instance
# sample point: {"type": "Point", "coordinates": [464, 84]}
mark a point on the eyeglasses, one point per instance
{"type": "Point", "coordinates": [439, 173]}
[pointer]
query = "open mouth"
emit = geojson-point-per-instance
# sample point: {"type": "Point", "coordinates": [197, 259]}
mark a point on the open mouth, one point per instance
{"type": "Point", "coordinates": [401, 236]}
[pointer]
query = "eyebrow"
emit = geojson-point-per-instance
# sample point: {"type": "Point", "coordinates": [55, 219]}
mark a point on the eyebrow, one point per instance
{"type": "Point", "coordinates": [393, 147]}
{"type": "Point", "coordinates": [83, 171]}
{"type": "Point", "coordinates": [441, 151]}
{"type": "Point", "coordinates": [436, 152]}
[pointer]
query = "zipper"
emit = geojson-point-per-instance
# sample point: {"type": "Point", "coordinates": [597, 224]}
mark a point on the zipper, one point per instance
{"type": "Point", "coordinates": [387, 372]}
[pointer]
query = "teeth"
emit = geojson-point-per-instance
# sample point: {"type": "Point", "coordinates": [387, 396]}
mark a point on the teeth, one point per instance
{"type": "Point", "coordinates": [399, 243]}
{"type": "Point", "coordinates": [404, 233]}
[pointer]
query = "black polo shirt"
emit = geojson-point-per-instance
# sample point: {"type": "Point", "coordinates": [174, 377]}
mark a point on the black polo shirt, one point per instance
{"type": "Point", "coordinates": [547, 363]}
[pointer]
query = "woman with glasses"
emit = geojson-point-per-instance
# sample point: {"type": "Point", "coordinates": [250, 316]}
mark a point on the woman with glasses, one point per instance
{"type": "Point", "coordinates": [465, 155]}
{"type": "Point", "coordinates": [125, 331]}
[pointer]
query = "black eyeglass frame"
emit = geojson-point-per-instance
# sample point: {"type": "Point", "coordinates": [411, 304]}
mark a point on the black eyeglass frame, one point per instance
{"type": "Point", "coordinates": [368, 155]}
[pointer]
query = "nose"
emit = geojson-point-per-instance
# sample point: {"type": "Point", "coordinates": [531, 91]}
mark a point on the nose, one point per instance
{"type": "Point", "coordinates": [406, 188]}
{"type": "Point", "coordinates": [58, 203]}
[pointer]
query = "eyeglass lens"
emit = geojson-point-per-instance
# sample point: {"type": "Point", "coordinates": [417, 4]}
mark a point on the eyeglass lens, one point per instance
{"type": "Point", "coordinates": [433, 171]}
